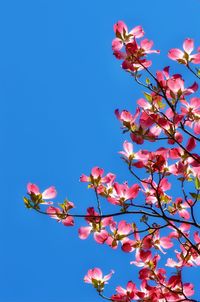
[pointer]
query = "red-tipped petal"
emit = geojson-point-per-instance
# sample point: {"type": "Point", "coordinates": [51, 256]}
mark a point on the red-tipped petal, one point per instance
{"type": "Point", "coordinates": [175, 54]}
{"type": "Point", "coordinates": [32, 188]}
{"type": "Point", "coordinates": [84, 232]}
{"type": "Point", "coordinates": [188, 45]}
{"type": "Point", "coordinates": [49, 193]}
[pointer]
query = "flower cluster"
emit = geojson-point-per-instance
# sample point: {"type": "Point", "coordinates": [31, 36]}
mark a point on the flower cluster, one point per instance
{"type": "Point", "coordinates": [184, 57]}
{"type": "Point", "coordinates": [156, 211]}
{"type": "Point", "coordinates": [134, 54]}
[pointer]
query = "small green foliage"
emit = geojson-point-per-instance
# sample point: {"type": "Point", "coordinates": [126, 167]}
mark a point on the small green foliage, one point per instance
{"type": "Point", "coordinates": [197, 183]}
{"type": "Point", "coordinates": [148, 97]}
{"type": "Point", "coordinates": [148, 82]}
{"type": "Point", "coordinates": [27, 203]}
{"type": "Point", "coordinates": [195, 196]}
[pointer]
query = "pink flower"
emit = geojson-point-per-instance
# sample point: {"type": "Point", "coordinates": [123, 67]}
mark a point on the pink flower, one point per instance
{"type": "Point", "coordinates": [127, 119]}
{"type": "Point", "coordinates": [164, 185]}
{"type": "Point", "coordinates": [175, 284]}
{"type": "Point", "coordinates": [96, 174]}
{"type": "Point", "coordinates": [182, 208]}
{"type": "Point", "coordinates": [128, 150]}
{"type": "Point", "coordinates": [96, 178]}
{"type": "Point", "coordinates": [125, 295]}
{"type": "Point", "coordinates": [134, 55]}
{"type": "Point", "coordinates": [96, 226]}
{"type": "Point", "coordinates": [161, 242]}
{"type": "Point", "coordinates": [123, 36]}
{"type": "Point", "coordinates": [124, 228]}
{"type": "Point", "coordinates": [142, 258]}
{"type": "Point", "coordinates": [57, 214]}
{"type": "Point", "coordinates": [135, 65]}
{"type": "Point", "coordinates": [141, 50]}
{"type": "Point", "coordinates": [119, 233]}
{"type": "Point", "coordinates": [122, 193]}
{"type": "Point", "coordinates": [174, 85]}
{"type": "Point", "coordinates": [49, 193]}
{"type": "Point", "coordinates": [134, 58]}
{"type": "Point", "coordinates": [192, 113]}
{"type": "Point", "coordinates": [95, 277]}
{"type": "Point", "coordinates": [184, 57]}
{"type": "Point", "coordinates": [62, 216]}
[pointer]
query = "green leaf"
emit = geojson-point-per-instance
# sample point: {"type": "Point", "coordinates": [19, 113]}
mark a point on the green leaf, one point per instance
{"type": "Point", "coordinates": [27, 202]}
{"type": "Point", "coordinates": [161, 104]}
{"type": "Point", "coordinates": [197, 183]}
{"type": "Point", "coordinates": [148, 97]}
{"type": "Point", "coordinates": [195, 196]}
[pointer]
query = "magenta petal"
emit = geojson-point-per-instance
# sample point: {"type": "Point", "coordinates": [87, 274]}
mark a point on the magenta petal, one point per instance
{"type": "Point", "coordinates": [124, 228]}
{"type": "Point", "coordinates": [84, 178]}
{"type": "Point", "coordinates": [117, 44]}
{"type": "Point", "coordinates": [184, 214]}
{"type": "Point", "coordinates": [49, 193]}
{"type": "Point", "coordinates": [195, 58]}
{"type": "Point", "coordinates": [52, 212]}
{"type": "Point", "coordinates": [175, 54]}
{"type": "Point", "coordinates": [137, 32]}
{"type": "Point", "coordinates": [146, 44]}
{"type": "Point", "coordinates": [120, 26]}
{"type": "Point", "coordinates": [97, 172]}
{"type": "Point", "coordinates": [84, 232]}
{"type": "Point", "coordinates": [128, 147]}
{"type": "Point", "coordinates": [166, 243]}
{"type": "Point", "coordinates": [191, 144]}
{"type": "Point", "coordinates": [97, 274]}
{"type": "Point", "coordinates": [69, 221]}
{"type": "Point", "coordinates": [120, 290]}
{"type": "Point", "coordinates": [107, 277]}
{"type": "Point", "coordinates": [197, 128]}
{"type": "Point", "coordinates": [32, 188]}
{"type": "Point", "coordinates": [133, 191]}
{"type": "Point", "coordinates": [101, 237]}
{"type": "Point", "coordinates": [188, 45]}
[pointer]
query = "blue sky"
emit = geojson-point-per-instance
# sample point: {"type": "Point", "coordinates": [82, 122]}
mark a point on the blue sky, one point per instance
{"type": "Point", "coordinates": [59, 86]}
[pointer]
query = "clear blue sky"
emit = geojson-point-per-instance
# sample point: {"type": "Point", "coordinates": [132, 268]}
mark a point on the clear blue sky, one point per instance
{"type": "Point", "coordinates": [59, 86]}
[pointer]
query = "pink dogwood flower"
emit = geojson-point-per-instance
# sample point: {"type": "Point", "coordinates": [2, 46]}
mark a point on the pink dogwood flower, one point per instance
{"type": "Point", "coordinates": [127, 119]}
{"type": "Point", "coordinates": [135, 56]}
{"type": "Point", "coordinates": [122, 192]}
{"type": "Point", "coordinates": [95, 277]}
{"type": "Point", "coordinates": [174, 85]}
{"type": "Point", "coordinates": [119, 232]}
{"type": "Point", "coordinates": [61, 216]}
{"type": "Point", "coordinates": [126, 294]}
{"type": "Point", "coordinates": [123, 36]}
{"type": "Point", "coordinates": [161, 242]}
{"type": "Point", "coordinates": [128, 150]}
{"type": "Point", "coordinates": [96, 226]}
{"type": "Point", "coordinates": [96, 178]}
{"type": "Point", "coordinates": [34, 190]}
{"type": "Point", "coordinates": [192, 113]}
{"type": "Point", "coordinates": [184, 57]}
